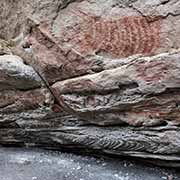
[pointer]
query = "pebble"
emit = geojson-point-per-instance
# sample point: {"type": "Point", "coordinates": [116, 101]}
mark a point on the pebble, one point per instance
{"type": "Point", "coordinates": [79, 167]}
{"type": "Point", "coordinates": [103, 164]}
{"type": "Point", "coordinates": [116, 175]}
{"type": "Point", "coordinates": [34, 178]}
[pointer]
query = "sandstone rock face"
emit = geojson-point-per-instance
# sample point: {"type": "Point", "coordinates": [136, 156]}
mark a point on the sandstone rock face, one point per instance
{"type": "Point", "coordinates": [89, 36]}
{"type": "Point", "coordinates": [14, 74]}
{"type": "Point", "coordinates": [11, 19]}
{"type": "Point", "coordinates": [102, 63]}
{"type": "Point", "coordinates": [143, 92]}
{"type": "Point", "coordinates": [19, 89]}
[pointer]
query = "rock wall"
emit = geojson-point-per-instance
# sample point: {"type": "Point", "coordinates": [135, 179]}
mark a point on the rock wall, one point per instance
{"type": "Point", "coordinates": [94, 63]}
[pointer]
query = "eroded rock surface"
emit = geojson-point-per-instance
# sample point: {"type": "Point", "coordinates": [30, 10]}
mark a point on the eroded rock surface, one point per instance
{"type": "Point", "coordinates": [14, 74]}
{"type": "Point", "coordinates": [143, 92]}
{"type": "Point", "coordinates": [91, 36]}
{"type": "Point", "coordinates": [19, 89]}
{"type": "Point", "coordinates": [95, 62]}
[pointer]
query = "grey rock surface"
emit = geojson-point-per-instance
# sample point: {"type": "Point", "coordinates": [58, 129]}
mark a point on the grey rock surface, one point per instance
{"type": "Point", "coordinates": [14, 74]}
{"type": "Point", "coordinates": [28, 164]}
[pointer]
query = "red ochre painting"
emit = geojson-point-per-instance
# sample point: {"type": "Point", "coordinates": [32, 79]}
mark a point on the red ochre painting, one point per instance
{"type": "Point", "coordinates": [118, 38]}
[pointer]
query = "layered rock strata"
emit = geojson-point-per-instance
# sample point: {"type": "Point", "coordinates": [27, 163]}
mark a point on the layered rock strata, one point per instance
{"type": "Point", "coordinates": [105, 76]}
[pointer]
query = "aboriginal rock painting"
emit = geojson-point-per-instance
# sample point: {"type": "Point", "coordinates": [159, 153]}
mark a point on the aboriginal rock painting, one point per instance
{"type": "Point", "coordinates": [118, 38]}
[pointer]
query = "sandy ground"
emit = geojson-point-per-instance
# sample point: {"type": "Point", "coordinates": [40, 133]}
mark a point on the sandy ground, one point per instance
{"type": "Point", "coordinates": [28, 164]}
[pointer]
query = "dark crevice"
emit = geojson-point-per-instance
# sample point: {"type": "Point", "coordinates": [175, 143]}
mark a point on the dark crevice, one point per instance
{"type": "Point", "coordinates": [178, 104]}
{"type": "Point", "coordinates": [6, 105]}
{"type": "Point", "coordinates": [165, 2]}
{"type": "Point", "coordinates": [132, 85]}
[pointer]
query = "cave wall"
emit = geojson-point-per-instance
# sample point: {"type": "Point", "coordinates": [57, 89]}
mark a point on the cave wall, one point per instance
{"type": "Point", "coordinates": [105, 76]}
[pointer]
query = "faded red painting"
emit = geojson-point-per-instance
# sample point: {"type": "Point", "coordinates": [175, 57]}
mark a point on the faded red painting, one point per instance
{"type": "Point", "coordinates": [153, 71]}
{"type": "Point", "coordinates": [118, 38]}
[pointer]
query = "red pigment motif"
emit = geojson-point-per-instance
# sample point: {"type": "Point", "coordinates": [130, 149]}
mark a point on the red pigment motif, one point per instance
{"type": "Point", "coordinates": [158, 70]}
{"type": "Point", "coordinates": [119, 38]}
{"type": "Point", "coordinates": [83, 85]}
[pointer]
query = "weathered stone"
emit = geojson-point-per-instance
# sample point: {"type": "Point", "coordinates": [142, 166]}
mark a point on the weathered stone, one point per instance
{"type": "Point", "coordinates": [14, 74]}
{"type": "Point", "coordinates": [87, 37]}
{"type": "Point", "coordinates": [55, 63]}
{"type": "Point", "coordinates": [161, 146]}
{"type": "Point", "coordinates": [19, 90]}
{"type": "Point", "coordinates": [104, 62]}
{"type": "Point", "coordinates": [11, 18]}
{"type": "Point", "coordinates": [13, 14]}
{"type": "Point", "coordinates": [143, 92]}
{"type": "Point", "coordinates": [19, 101]}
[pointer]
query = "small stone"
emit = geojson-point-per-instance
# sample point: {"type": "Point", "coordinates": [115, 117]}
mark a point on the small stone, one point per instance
{"type": "Point", "coordinates": [103, 164]}
{"type": "Point", "coordinates": [125, 165]}
{"type": "Point", "coordinates": [116, 175]}
{"type": "Point", "coordinates": [34, 178]}
{"type": "Point", "coordinates": [79, 167]}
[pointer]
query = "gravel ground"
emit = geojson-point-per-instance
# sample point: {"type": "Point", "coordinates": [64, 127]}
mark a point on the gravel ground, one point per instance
{"type": "Point", "coordinates": [28, 164]}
